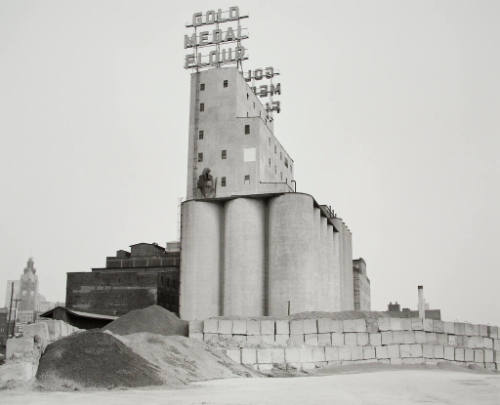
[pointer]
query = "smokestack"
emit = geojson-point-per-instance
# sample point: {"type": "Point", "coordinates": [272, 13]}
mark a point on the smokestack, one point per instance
{"type": "Point", "coordinates": [421, 302]}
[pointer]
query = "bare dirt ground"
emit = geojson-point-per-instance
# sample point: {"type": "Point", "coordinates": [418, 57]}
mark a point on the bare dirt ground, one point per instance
{"type": "Point", "coordinates": [351, 386]}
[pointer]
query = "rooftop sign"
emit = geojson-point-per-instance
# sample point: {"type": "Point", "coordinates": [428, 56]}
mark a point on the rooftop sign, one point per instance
{"type": "Point", "coordinates": [224, 39]}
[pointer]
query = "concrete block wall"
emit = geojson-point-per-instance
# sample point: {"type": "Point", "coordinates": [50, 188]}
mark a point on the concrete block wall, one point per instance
{"type": "Point", "coordinates": [308, 343]}
{"type": "Point", "coordinates": [23, 352]}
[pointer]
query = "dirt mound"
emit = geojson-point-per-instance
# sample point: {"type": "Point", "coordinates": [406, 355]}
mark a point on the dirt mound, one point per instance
{"type": "Point", "coordinates": [183, 359]}
{"type": "Point", "coordinates": [153, 319]}
{"type": "Point", "coordinates": [94, 359]}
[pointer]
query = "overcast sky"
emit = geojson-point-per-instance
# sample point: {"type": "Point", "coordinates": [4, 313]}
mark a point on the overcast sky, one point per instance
{"type": "Point", "coordinates": [390, 109]}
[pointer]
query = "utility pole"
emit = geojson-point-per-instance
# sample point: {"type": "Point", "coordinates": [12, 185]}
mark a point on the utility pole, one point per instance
{"type": "Point", "coordinates": [10, 308]}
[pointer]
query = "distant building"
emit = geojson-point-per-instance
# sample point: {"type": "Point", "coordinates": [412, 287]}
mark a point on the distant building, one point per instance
{"type": "Point", "coordinates": [147, 275]}
{"type": "Point", "coordinates": [361, 285]}
{"type": "Point", "coordinates": [395, 310]}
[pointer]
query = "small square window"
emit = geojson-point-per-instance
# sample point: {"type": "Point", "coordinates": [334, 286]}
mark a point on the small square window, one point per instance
{"type": "Point", "coordinates": [223, 154]}
{"type": "Point", "coordinates": [202, 106]}
{"type": "Point", "coordinates": [225, 83]}
{"type": "Point", "coordinates": [200, 134]}
{"type": "Point", "coordinates": [247, 96]}
{"type": "Point", "coordinates": [247, 178]}
{"type": "Point", "coordinates": [202, 86]}
{"type": "Point", "coordinates": [286, 162]}
{"type": "Point", "coordinates": [200, 157]}
{"type": "Point", "coordinates": [254, 105]}
{"type": "Point", "coordinates": [223, 181]}
{"type": "Point", "coordinates": [247, 129]}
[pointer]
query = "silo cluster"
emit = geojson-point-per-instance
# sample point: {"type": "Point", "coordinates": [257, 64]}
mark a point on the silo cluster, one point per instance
{"type": "Point", "coordinates": [263, 255]}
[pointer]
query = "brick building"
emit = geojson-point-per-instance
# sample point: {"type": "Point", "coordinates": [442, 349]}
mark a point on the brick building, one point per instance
{"type": "Point", "coordinates": [147, 275]}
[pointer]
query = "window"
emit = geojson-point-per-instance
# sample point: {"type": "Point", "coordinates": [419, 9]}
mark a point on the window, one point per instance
{"type": "Point", "coordinates": [281, 156]}
{"type": "Point", "coordinates": [281, 175]}
{"type": "Point", "coordinates": [286, 162]}
{"type": "Point", "coordinates": [247, 129]}
{"type": "Point", "coordinates": [223, 154]}
{"type": "Point", "coordinates": [275, 149]}
{"type": "Point", "coordinates": [225, 83]}
{"type": "Point", "coordinates": [269, 141]}
{"type": "Point", "coordinates": [200, 134]}
{"type": "Point", "coordinates": [269, 160]}
{"type": "Point", "coordinates": [275, 170]}
{"type": "Point", "coordinates": [247, 96]}
{"type": "Point", "coordinates": [202, 86]}
{"type": "Point", "coordinates": [247, 178]}
{"type": "Point", "coordinates": [223, 181]}
{"type": "Point", "coordinates": [202, 106]}
{"type": "Point", "coordinates": [254, 105]}
{"type": "Point", "coordinates": [200, 157]}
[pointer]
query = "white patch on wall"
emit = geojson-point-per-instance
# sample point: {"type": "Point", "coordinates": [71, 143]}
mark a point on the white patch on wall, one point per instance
{"type": "Point", "coordinates": [249, 154]}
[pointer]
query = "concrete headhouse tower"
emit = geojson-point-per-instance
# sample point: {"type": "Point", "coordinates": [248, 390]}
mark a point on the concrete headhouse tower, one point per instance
{"type": "Point", "coordinates": [250, 244]}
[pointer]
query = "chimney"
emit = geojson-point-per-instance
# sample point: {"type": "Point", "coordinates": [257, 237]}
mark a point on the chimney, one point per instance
{"type": "Point", "coordinates": [421, 302]}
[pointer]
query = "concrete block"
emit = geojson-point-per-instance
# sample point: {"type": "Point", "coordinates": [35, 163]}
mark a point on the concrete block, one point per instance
{"type": "Point", "coordinates": [438, 351]}
{"type": "Point", "coordinates": [431, 337]}
{"type": "Point", "coordinates": [306, 354]}
{"type": "Point", "coordinates": [438, 326]}
{"type": "Point", "coordinates": [292, 354]}
{"type": "Point", "coordinates": [483, 330]}
{"type": "Point", "coordinates": [336, 363]}
{"type": "Point", "coordinates": [39, 329]}
{"type": "Point", "coordinates": [357, 353]}
{"type": "Point", "coordinates": [406, 324]}
{"type": "Point", "coordinates": [420, 337]}
{"type": "Point", "coordinates": [17, 372]}
{"type": "Point", "coordinates": [239, 339]}
{"type": "Point", "coordinates": [195, 327]}
{"type": "Point", "coordinates": [416, 324]}
{"type": "Point", "coordinates": [211, 326]}
{"type": "Point", "coordinates": [310, 326]}
{"type": "Point", "coordinates": [396, 324]}
{"type": "Point", "coordinates": [383, 361]}
{"type": "Point", "coordinates": [409, 337]}
{"type": "Point", "coordinates": [362, 339]}
{"type": "Point", "coordinates": [387, 338]}
{"type": "Point", "coordinates": [324, 339]}
{"type": "Point", "coordinates": [318, 354]}
{"type": "Point", "coordinates": [496, 344]}
{"type": "Point", "coordinates": [325, 325]}
{"type": "Point", "coordinates": [196, 335]}
{"type": "Point", "coordinates": [375, 339]}
{"type": "Point", "coordinates": [254, 340]}
{"type": "Point", "coordinates": [449, 328]}
{"type": "Point", "coordinates": [332, 354]}
{"type": "Point", "coordinates": [478, 356]}
{"type": "Point", "coordinates": [297, 327]}
{"type": "Point", "coordinates": [381, 352]}
{"type": "Point", "coordinates": [371, 325]}
{"type": "Point", "coordinates": [368, 352]}
{"type": "Point", "coordinates": [393, 351]}
{"type": "Point", "coordinates": [469, 355]}
{"type": "Point", "coordinates": [452, 340]}
{"type": "Point", "coordinates": [416, 350]}
{"type": "Point", "coordinates": [21, 347]}
{"type": "Point", "coordinates": [384, 324]}
{"type": "Point", "coordinates": [345, 353]}
{"type": "Point", "coordinates": [471, 330]}
{"type": "Point", "coordinates": [282, 327]}
{"type": "Point", "coordinates": [338, 326]}
{"type": "Point", "coordinates": [474, 342]}
{"type": "Point", "coordinates": [54, 327]}
{"type": "Point", "coordinates": [311, 339]}
{"type": "Point", "coordinates": [496, 354]}
{"type": "Point", "coordinates": [488, 356]}
{"type": "Point", "coordinates": [405, 351]}
{"type": "Point", "coordinates": [296, 340]}
{"type": "Point", "coordinates": [449, 353]}
{"type": "Point", "coordinates": [459, 328]}
{"type": "Point", "coordinates": [428, 325]}
{"type": "Point", "coordinates": [268, 339]}
{"type": "Point", "coordinates": [211, 337]}
{"type": "Point", "coordinates": [281, 339]}
{"type": "Point", "coordinates": [442, 338]}
{"type": "Point", "coordinates": [264, 368]}
{"type": "Point", "coordinates": [459, 354]}
{"type": "Point", "coordinates": [239, 327]}
{"type": "Point", "coordinates": [264, 356]}
{"type": "Point", "coordinates": [350, 339]}
{"type": "Point", "coordinates": [412, 360]}
{"type": "Point", "coordinates": [354, 325]}
{"type": "Point", "coordinates": [493, 332]}
{"type": "Point", "coordinates": [253, 327]}
{"type": "Point", "coordinates": [338, 339]}
{"type": "Point", "coordinates": [487, 343]}
{"type": "Point", "coordinates": [428, 351]}
{"type": "Point", "coordinates": [234, 354]}
{"type": "Point", "coordinates": [267, 327]}
{"type": "Point", "coordinates": [398, 337]}
{"type": "Point", "coordinates": [489, 366]}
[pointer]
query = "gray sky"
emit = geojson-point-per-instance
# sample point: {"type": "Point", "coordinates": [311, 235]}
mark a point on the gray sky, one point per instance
{"type": "Point", "coordinates": [390, 109]}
